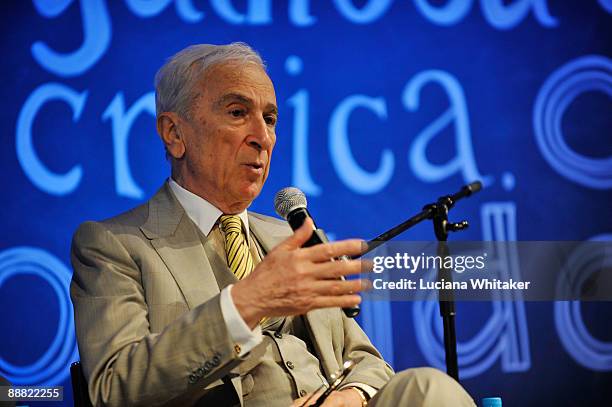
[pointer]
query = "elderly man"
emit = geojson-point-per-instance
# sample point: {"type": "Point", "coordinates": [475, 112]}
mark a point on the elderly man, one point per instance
{"type": "Point", "coordinates": [189, 299]}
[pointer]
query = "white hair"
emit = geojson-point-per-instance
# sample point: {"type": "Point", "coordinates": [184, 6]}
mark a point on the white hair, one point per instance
{"type": "Point", "coordinates": [175, 82]}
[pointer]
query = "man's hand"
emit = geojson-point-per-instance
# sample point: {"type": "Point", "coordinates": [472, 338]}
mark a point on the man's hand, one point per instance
{"type": "Point", "coordinates": [292, 280]}
{"type": "Point", "coordinates": [344, 398]}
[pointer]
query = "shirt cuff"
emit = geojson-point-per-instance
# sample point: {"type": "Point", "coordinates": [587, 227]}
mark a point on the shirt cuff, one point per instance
{"type": "Point", "coordinates": [245, 338]}
{"type": "Point", "coordinates": [369, 390]}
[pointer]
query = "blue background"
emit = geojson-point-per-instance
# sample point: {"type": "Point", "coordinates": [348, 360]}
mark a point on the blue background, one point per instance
{"type": "Point", "coordinates": [516, 93]}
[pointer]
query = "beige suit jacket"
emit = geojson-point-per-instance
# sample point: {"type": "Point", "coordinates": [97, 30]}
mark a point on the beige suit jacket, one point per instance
{"type": "Point", "coordinates": [148, 318]}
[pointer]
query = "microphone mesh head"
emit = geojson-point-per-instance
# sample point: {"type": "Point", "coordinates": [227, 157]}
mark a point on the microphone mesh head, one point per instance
{"type": "Point", "coordinates": [288, 199]}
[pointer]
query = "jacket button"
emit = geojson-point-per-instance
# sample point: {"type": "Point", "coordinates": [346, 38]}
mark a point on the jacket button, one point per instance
{"type": "Point", "coordinates": [303, 393]}
{"type": "Point", "coordinates": [216, 360]}
{"type": "Point", "coordinates": [237, 349]}
{"type": "Point", "coordinates": [192, 378]}
{"type": "Point", "coordinates": [200, 372]}
{"type": "Point", "coordinates": [290, 365]}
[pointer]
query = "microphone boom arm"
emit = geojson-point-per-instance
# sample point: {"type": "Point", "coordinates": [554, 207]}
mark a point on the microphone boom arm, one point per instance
{"type": "Point", "coordinates": [429, 212]}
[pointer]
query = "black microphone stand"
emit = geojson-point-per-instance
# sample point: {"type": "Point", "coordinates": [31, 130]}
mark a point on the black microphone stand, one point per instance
{"type": "Point", "coordinates": [438, 213]}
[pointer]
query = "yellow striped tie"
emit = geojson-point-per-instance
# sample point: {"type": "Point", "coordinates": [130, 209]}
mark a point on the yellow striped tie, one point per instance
{"type": "Point", "coordinates": [239, 257]}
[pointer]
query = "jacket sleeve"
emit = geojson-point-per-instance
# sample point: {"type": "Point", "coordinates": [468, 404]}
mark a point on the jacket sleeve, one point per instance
{"type": "Point", "coordinates": [124, 363]}
{"type": "Point", "coordinates": [371, 369]}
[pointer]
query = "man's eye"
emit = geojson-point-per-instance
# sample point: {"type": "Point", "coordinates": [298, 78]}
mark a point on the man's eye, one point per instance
{"type": "Point", "coordinates": [271, 120]}
{"type": "Point", "coordinates": [237, 112]}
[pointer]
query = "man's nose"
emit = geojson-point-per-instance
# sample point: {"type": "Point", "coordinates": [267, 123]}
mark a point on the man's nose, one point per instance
{"type": "Point", "coordinates": [261, 135]}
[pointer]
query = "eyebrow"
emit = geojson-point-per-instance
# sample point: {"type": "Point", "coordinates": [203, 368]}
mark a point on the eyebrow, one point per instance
{"type": "Point", "coordinates": [237, 97]}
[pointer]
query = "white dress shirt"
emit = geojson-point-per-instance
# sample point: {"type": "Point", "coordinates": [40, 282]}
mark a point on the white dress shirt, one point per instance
{"type": "Point", "coordinates": [205, 216]}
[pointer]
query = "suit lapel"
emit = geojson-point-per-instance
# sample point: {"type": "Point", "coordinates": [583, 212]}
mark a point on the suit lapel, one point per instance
{"type": "Point", "coordinates": [177, 241]}
{"type": "Point", "coordinates": [175, 238]}
{"type": "Point", "coordinates": [269, 234]}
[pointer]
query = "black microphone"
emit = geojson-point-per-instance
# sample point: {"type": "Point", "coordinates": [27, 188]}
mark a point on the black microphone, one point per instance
{"type": "Point", "coordinates": [290, 204]}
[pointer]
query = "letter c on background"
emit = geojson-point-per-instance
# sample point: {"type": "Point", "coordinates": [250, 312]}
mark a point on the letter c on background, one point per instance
{"type": "Point", "coordinates": [35, 170]}
{"type": "Point", "coordinates": [347, 168]}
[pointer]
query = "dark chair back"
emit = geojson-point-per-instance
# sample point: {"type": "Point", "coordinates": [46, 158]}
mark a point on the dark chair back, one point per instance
{"type": "Point", "coordinates": [79, 386]}
{"type": "Point", "coordinates": [5, 382]}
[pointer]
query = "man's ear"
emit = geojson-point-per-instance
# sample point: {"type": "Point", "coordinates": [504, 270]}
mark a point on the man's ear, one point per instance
{"type": "Point", "coordinates": [168, 130]}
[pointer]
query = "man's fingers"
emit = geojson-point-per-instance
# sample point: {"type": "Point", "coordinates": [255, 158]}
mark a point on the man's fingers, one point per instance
{"type": "Point", "coordinates": [327, 251]}
{"type": "Point", "coordinates": [337, 269]}
{"type": "Point", "coordinates": [339, 287]}
{"type": "Point", "coordinates": [300, 236]}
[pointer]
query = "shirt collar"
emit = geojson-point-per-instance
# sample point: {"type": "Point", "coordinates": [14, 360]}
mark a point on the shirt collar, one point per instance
{"type": "Point", "coordinates": [200, 211]}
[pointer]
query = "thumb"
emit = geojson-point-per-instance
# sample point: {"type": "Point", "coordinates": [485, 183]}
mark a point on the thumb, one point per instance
{"type": "Point", "coordinates": [300, 236]}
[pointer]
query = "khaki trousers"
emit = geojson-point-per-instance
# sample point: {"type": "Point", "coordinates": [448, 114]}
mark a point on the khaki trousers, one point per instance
{"type": "Point", "coordinates": [422, 387]}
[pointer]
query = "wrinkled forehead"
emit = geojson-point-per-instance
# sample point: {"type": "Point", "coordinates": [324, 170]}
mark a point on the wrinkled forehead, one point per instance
{"type": "Point", "coordinates": [237, 76]}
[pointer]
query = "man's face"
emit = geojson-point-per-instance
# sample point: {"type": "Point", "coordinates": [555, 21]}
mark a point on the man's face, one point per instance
{"type": "Point", "coordinates": [230, 135]}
